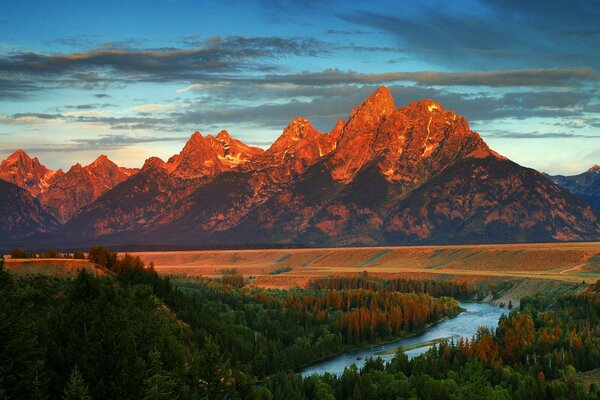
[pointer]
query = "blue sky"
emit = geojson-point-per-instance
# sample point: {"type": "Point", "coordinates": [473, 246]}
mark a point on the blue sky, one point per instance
{"type": "Point", "coordinates": [132, 79]}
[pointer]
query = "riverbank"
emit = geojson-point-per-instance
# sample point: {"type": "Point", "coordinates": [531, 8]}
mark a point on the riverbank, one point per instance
{"type": "Point", "coordinates": [465, 325]}
{"type": "Point", "coordinates": [427, 343]}
{"type": "Point", "coordinates": [368, 346]}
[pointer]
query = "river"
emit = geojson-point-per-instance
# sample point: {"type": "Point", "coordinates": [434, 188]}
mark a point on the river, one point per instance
{"type": "Point", "coordinates": [463, 325]}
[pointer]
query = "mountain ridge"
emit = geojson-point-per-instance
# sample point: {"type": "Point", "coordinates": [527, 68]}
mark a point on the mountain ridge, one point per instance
{"type": "Point", "coordinates": [382, 176]}
{"type": "Point", "coordinates": [585, 185]}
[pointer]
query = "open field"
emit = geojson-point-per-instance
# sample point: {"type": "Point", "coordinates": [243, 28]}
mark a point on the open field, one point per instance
{"type": "Point", "coordinates": [51, 266]}
{"type": "Point", "coordinates": [590, 377]}
{"type": "Point", "coordinates": [565, 262]}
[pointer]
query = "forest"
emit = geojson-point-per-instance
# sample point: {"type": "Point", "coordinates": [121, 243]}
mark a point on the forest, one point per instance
{"type": "Point", "coordinates": [134, 334]}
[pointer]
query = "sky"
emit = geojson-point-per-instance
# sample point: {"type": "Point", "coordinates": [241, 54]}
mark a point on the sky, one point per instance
{"type": "Point", "coordinates": [134, 79]}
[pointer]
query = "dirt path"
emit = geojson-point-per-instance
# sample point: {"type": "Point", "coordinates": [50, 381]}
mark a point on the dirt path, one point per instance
{"type": "Point", "coordinates": [577, 268]}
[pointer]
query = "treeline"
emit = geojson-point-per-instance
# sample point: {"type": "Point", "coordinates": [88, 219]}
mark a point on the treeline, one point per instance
{"type": "Point", "coordinates": [534, 354]}
{"type": "Point", "coordinates": [132, 334]}
{"type": "Point", "coordinates": [435, 288]}
{"type": "Point", "coordinates": [94, 338]}
{"type": "Point", "coordinates": [274, 330]}
{"type": "Point", "coordinates": [364, 315]}
{"type": "Point", "coordinates": [19, 253]}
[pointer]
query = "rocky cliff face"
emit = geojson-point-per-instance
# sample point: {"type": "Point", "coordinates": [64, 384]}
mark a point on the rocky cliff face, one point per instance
{"type": "Point", "coordinates": [208, 156]}
{"type": "Point", "coordinates": [386, 175]}
{"type": "Point", "coordinates": [80, 186]}
{"type": "Point", "coordinates": [28, 173]}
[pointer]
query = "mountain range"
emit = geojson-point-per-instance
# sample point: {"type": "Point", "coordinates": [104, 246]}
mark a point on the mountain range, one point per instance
{"type": "Point", "coordinates": [586, 185]}
{"type": "Point", "coordinates": [386, 175]}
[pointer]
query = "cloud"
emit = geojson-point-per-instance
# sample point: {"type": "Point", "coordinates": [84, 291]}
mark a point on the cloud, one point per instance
{"type": "Point", "coordinates": [491, 33]}
{"type": "Point", "coordinates": [122, 44]}
{"type": "Point", "coordinates": [539, 135]}
{"type": "Point", "coordinates": [103, 142]}
{"type": "Point", "coordinates": [272, 105]}
{"type": "Point", "coordinates": [93, 117]}
{"type": "Point", "coordinates": [30, 119]}
{"type": "Point", "coordinates": [152, 108]}
{"type": "Point", "coordinates": [551, 77]}
{"type": "Point", "coordinates": [78, 41]}
{"type": "Point", "coordinates": [15, 87]}
{"type": "Point", "coordinates": [117, 141]}
{"type": "Point", "coordinates": [374, 49]}
{"type": "Point", "coordinates": [347, 32]}
{"type": "Point", "coordinates": [216, 55]}
{"type": "Point", "coordinates": [91, 106]}
{"type": "Point", "coordinates": [323, 99]}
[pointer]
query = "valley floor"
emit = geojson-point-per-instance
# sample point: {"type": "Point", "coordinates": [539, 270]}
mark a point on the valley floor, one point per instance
{"type": "Point", "coordinates": [285, 268]}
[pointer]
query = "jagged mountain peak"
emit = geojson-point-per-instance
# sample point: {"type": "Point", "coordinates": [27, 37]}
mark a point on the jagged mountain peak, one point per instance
{"type": "Point", "coordinates": [595, 168]}
{"type": "Point", "coordinates": [387, 175]}
{"type": "Point", "coordinates": [19, 154]}
{"type": "Point", "coordinates": [207, 156]}
{"type": "Point", "coordinates": [409, 143]}
{"type": "Point", "coordinates": [153, 163]}
{"type": "Point", "coordinates": [74, 167]}
{"type": "Point", "coordinates": [296, 133]}
{"type": "Point", "coordinates": [81, 185]}
{"type": "Point", "coordinates": [21, 158]}
{"type": "Point", "coordinates": [102, 160]}
{"type": "Point", "coordinates": [224, 135]}
{"type": "Point", "coordinates": [28, 173]}
{"type": "Point", "coordinates": [379, 104]}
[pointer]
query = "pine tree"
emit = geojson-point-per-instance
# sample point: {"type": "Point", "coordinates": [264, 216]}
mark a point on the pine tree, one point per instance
{"type": "Point", "coordinates": [21, 356]}
{"type": "Point", "coordinates": [76, 388]}
{"type": "Point", "coordinates": [159, 384]}
{"type": "Point", "coordinates": [211, 370]}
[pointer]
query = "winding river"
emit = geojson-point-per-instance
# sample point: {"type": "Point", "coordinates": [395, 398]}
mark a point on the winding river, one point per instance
{"type": "Point", "coordinates": [465, 325]}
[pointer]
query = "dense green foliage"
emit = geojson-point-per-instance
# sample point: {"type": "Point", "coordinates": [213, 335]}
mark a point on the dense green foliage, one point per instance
{"type": "Point", "coordinates": [435, 288]}
{"type": "Point", "coordinates": [534, 354]}
{"type": "Point", "coordinates": [132, 335]}
{"type": "Point", "coordinates": [135, 335]}
{"type": "Point", "coordinates": [274, 330]}
{"type": "Point", "coordinates": [18, 252]}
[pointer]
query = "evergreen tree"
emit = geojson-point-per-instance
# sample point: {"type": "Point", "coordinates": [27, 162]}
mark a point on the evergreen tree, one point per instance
{"type": "Point", "coordinates": [211, 370]}
{"type": "Point", "coordinates": [21, 356]}
{"type": "Point", "coordinates": [76, 388]}
{"type": "Point", "coordinates": [159, 384]}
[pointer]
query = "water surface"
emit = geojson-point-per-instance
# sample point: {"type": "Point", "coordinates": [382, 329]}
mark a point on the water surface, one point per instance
{"type": "Point", "coordinates": [464, 325]}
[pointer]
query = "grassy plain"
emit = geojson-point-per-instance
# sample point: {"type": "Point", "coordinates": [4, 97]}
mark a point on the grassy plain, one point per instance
{"type": "Point", "coordinates": [58, 267]}
{"type": "Point", "coordinates": [564, 262]}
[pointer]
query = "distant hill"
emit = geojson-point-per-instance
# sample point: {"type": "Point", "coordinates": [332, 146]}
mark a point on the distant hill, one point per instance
{"type": "Point", "coordinates": [586, 185]}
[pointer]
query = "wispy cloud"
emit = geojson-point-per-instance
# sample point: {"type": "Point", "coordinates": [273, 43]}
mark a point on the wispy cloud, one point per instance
{"type": "Point", "coordinates": [492, 33]}
{"type": "Point", "coordinates": [216, 55]}
{"type": "Point", "coordinates": [348, 32]}
{"type": "Point", "coordinates": [101, 143]}
{"type": "Point", "coordinates": [539, 135]}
